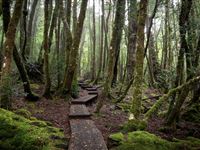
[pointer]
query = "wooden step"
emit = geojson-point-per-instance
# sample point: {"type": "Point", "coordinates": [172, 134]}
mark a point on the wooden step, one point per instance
{"type": "Point", "coordinates": [79, 111]}
{"type": "Point", "coordinates": [91, 89]}
{"type": "Point", "coordinates": [86, 86]}
{"type": "Point", "coordinates": [82, 84]}
{"type": "Point", "coordinates": [85, 136]}
{"type": "Point", "coordinates": [84, 100]}
{"type": "Point", "coordinates": [93, 92]}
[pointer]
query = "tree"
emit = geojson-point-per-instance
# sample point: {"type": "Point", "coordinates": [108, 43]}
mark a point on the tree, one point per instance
{"type": "Point", "coordinates": [138, 75]}
{"type": "Point", "coordinates": [8, 46]}
{"type": "Point", "coordinates": [75, 46]}
{"type": "Point", "coordinates": [114, 50]}
{"type": "Point", "coordinates": [132, 30]}
{"type": "Point", "coordinates": [174, 109]}
{"type": "Point", "coordinates": [47, 89]}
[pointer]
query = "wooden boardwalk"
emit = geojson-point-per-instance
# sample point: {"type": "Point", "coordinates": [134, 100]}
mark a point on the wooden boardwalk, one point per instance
{"type": "Point", "coordinates": [93, 92]}
{"type": "Point", "coordinates": [84, 100]}
{"type": "Point", "coordinates": [85, 136]}
{"type": "Point", "coordinates": [79, 111]}
{"type": "Point", "coordinates": [84, 133]}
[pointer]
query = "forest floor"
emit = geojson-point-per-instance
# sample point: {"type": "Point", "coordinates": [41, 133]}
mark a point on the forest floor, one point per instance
{"type": "Point", "coordinates": [109, 121]}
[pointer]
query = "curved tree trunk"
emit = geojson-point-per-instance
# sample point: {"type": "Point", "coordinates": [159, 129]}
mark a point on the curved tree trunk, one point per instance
{"type": "Point", "coordinates": [5, 82]}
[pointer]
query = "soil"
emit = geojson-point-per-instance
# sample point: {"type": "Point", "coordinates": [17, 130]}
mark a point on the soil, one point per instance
{"type": "Point", "coordinates": [109, 121]}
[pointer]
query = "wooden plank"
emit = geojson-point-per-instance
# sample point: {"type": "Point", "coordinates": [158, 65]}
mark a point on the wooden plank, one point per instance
{"type": "Point", "coordinates": [84, 100]}
{"type": "Point", "coordinates": [79, 110]}
{"type": "Point", "coordinates": [93, 92]}
{"type": "Point", "coordinates": [86, 86]}
{"type": "Point", "coordinates": [85, 136]}
{"type": "Point", "coordinates": [91, 89]}
{"type": "Point", "coordinates": [82, 84]}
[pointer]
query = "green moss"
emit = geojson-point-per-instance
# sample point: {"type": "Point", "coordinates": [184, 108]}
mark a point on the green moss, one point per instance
{"type": "Point", "coordinates": [74, 89]}
{"type": "Point", "coordinates": [23, 112]}
{"type": "Point", "coordinates": [142, 140]}
{"type": "Point", "coordinates": [117, 137]}
{"type": "Point", "coordinates": [17, 132]}
{"type": "Point", "coordinates": [125, 106]}
{"type": "Point", "coordinates": [133, 125]}
{"type": "Point", "coordinates": [35, 86]}
{"type": "Point", "coordinates": [192, 113]}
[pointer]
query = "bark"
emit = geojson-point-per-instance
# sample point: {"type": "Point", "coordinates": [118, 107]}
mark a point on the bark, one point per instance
{"type": "Point", "coordinates": [174, 110]}
{"type": "Point", "coordinates": [101, 44]}
{"type": "Point", "coordinates": [93, 44]}
{"type": "Point", "coordinates": [24, 77]}
{"type": "Point", "coordinates": [57, 36]}
{"type": "Point", "coordinates": [53, 24]}
{"type": "Point", "coordinates": [183, 22]}
{"type": "Point", "coordinates": [68, 46]}
{"type": "Point", "coordinates": [75, 46]}
{"type": "Point", "coordinates": [119, 23]}
{"type": "Point", "coordinates": [5, 88]}
{"type": "Point", "coordinates": [74, 15]}
{"type": "Point", "coordinates": [132, 30]}
{"type": "Point", "coordinates": [46, 51]}
{"type": "Point", "coordinates": [138, 76]}
{"type": "Point", "coordinates": [113, 51]}
{"type": "Point", "coordinates": [106, 49]}
{"type": "Point", "coordinates": [30, 27]}
{"type": "Point", "coordinates": [24, 30]}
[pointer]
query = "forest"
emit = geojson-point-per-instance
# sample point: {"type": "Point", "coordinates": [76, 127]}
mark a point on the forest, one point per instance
{"type": "Point", "coordinates": [99, 74]}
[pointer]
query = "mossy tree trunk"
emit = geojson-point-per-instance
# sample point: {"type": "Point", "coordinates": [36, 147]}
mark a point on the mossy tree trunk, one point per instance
{"type": "Point", "coordinates": [19, 63]}
{"type": "Point", "coordinates": [113, 51]}
{"type": "Point", "coordinates": [138, 76]}
{"type": "Point", "coordinates": [115, 44]}
{"type": "Point", "coordinates": [75, 46]}
{"type": "Point", "coordinates": [47, 90]}
{"type": "Point", "coordinates": [23, 30]}
{"type": "Point", "coordinates": [93, 60]}
{"type": "Point", "coordinates": [5, 82]}
{"type": "Point", "coordinates": [101, 44]}
{"type": "Point", "coordinates": [132, 30]}
{"type": "Point", "coordinates": [189, 85]}
{"type": "Point", "coordinates": [30, 27]}
{"type": "Point", "coordinates": [68, 45]}
{"type": "Point", "coordinates": [175, 107]}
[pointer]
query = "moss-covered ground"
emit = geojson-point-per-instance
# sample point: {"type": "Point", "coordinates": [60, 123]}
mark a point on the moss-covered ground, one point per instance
{"type": "Point", "coordinates": [23, 132]}
{"type": "Point", "coordinates": [142, 140]}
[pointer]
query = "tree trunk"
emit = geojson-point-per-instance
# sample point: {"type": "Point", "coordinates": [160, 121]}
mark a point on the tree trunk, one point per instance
{"type": "Point", "coordinates": [30, 27]}
{"type": "Point", "coordinates": [173, 111]}
{"type": "Point", "coordinates": [75, 46]}
{"type": "Point", "coordinates": [93, 44]}
{"type": "Point", "coordinates": [47, 89]}
{"type": "Point", "coordinates": [119, 23]}
{"type": "Point", "coordinates": [138, 76]}
{"type": "Point", "coordinates": [132, 30]}
{"type": "Point", "coordinates": [101, 43]}
{"type": "Point", "coordinates": [5, 88]}
{"type": "Point", "coordinates": [113, 51]}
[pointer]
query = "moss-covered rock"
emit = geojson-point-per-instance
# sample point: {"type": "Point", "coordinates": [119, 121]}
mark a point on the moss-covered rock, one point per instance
{"type": "Point", "coordinates": [24, 112]}
{"type": "Point", "coordinates": [18, 132]}
{"type": "Point", "coordinates": [142, 140]}
{"type": "Point", "coordinates": [133, 125]}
